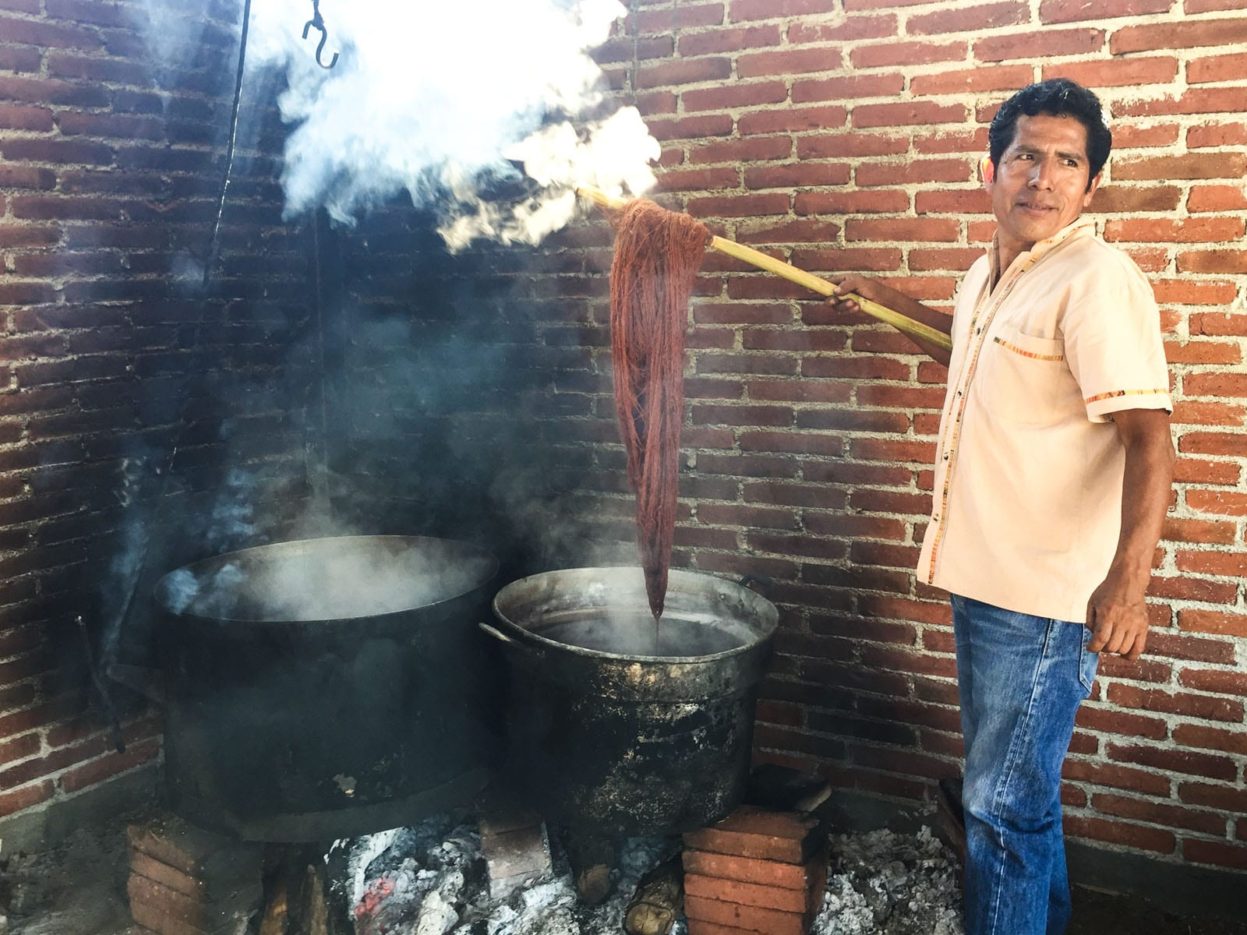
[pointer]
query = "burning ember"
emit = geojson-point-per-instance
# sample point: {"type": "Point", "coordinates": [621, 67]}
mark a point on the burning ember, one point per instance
{"type": "Point", "coordinates": [431, 880]}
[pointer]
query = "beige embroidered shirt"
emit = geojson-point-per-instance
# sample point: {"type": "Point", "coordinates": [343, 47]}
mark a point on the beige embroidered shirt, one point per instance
{"type": "Point", "coordinates": [1028, 473]}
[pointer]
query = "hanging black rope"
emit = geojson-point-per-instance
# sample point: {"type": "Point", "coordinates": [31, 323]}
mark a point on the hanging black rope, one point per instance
{"type": "Point", "coordinates": [214, 243]}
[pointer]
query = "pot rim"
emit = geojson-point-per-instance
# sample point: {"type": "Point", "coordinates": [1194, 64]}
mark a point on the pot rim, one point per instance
{"type": "Point", "coordinates": [766, 626]}
{"type": "Point", "coordinates": [184, 615]}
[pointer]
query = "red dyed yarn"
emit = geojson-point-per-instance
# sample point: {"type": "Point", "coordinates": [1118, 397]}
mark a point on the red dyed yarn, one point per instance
{"type": "Point", "coordinates": [657, 255]}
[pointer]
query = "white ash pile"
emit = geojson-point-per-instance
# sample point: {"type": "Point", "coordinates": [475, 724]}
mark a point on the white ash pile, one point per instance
{"type": "Point", "coordinates": [430, 880]}
{"type": "Point", "coordinates": [884, 882]}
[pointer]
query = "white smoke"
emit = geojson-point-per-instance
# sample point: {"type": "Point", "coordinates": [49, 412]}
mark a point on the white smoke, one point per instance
{"type": "Point", "coordinates": [443, 99]}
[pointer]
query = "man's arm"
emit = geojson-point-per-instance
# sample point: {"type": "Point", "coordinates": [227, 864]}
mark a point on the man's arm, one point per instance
{"type": "Point", "coordinates": [1116, 612]}
{"type": "Point", "coordinates": [898, 302]}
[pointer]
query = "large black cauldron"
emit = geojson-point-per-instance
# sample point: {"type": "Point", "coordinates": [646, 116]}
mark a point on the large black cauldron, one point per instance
{"type": "Point", "coordinates": [325, 688]}
{"type": "Point", "coordinates": [620, 727]}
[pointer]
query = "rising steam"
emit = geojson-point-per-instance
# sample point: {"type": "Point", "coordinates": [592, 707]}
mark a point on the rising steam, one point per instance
{"type": "Point", "coordinates": [443, 100]}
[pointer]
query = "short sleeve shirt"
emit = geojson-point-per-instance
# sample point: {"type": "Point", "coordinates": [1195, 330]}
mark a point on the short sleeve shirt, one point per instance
{"type": "Point", "coordinates": [1026, 510]}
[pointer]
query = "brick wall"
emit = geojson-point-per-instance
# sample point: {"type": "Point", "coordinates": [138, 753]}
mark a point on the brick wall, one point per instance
{"type": "Point", "coordinates": [843, 135]}
{"type": "Point", "coordinates": [471, 394]}
{"type": "Point", "coordinates": [133, 401]}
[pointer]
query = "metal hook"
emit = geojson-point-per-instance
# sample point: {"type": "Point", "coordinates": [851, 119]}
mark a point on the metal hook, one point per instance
{"type": "Point", "coordinates": [316, 22]}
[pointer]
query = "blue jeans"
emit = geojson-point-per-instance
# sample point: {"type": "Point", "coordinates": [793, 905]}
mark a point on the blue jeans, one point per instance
{"type": "Point", "coordinates": [1021, 679]}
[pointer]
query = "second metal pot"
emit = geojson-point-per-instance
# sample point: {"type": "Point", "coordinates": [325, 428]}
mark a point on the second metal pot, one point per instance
{"type": "Point", "coordinates": [615, 728]}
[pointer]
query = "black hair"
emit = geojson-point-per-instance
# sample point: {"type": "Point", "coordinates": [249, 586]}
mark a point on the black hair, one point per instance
{"type": "Point", "coordinates": [1056, 97]}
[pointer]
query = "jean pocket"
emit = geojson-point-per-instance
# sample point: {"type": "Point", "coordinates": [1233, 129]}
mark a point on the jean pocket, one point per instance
{"type": "Point", "coordinates": [1088, 662]}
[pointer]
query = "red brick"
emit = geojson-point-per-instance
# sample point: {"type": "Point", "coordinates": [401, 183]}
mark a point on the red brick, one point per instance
{"type": "Point", "coordinates": [1173, 645]}
{"type": "Point", "coordinates": [701, 927]}
{"type": "Point", "coordinates": [1213, 261]}
{"type": "Point", "coordinates": [1210, 621]}
{"type": "Point", "coordinates": [1118, 199]}
{"type": "Point", "coordinates": [1068, 11]}
{"type": "Point", "coordinates": [1197, 100]}
{"type": "Point", "coordinates": [769, 873]}
{"type": "Point", "coordinates": [1114, 832]}
{"type": "Point", "coordinates": [792, 119]}
{"type": "Point", "coordinates": [725, 206]}
{"type": "Point", "coordinates": [1116, 776]}
{"type": "Point", "coordinates": [1229, 564]}
{"type": "Point", "coordinates": [1190, 705]}
{"type": "Point", "coordinates": [1179, 35]}
{"type": "Point", "coordinates": [1133, 136]}
{"type": "Point", "coordinates": [675, 180]}
{"type": "Point", "coordinates": [1193, 530]}
{"type": "Point", "coordinates": [842, 87]}
{"type": "Point", "coordinates": [904, 229]}
{"type": "Point", "coordinates": [1036, 46]}
{"type": "Point", "coordinates": [972, 80]}
{"type": "Point", "coordinates": [1216, 135]}
{"type": "Point", "coordinates": [683, 71]}
{"type": "Point", "coordinates": [24, 797]}
{"type": "Point", "coordinates": [707, 41]}
{"type": "Point", "coordinates": [952, 259]}
{"type": "Point", "coordinates": [907, 53]}
{"type": "Point", "coordinates": [1157, 813]}
{"type": "Point", "coordinates": [167, 876]}
{"type": "Point", "coordinates": [745, 94]}
{"type": "Point", "coordinates": [857, 527]}
{"type": "Point", "coordinates": [1216, 384]}
{"type": "Point", "coordinates": [1219, 853]}
{"type": "Point", "coordinates": [880, 201]}
{"type": "Point", "coordinates": [745, 894]}
{"type": "Point", "coordinates": [801, 174]}
{"type": "Point", "coordinates": [774, 9]}
{"type": "Point", "coordinates": [803, 32]}
{"type": "Point", "coordinates": [749, 918]}
{"type": "Point", "coordinates": [851, 144]}
{"type": "Point", "coordinates": [1207, 413]}
{"type": "Point", "coordinates": [916, 171]}
{"type": "Point", "coordinates": [788, 231]}
{"type": "Point", "coordinates": [1216, 198]}
{"type": "Point", "coordinates": [969, 18]}
{"type": "Point", "coordinates": [1191, 166]}
{"type": "Point", "coordinates": [1175, 761]}
{"type": "Point", "coordinates": [756, 149]}
{"type": "Point", "coordinates": [1211, 738]}
{"type": "Point", "coordinates": [1213, 796]}
{"type": "Point", "coordinates": [18, 59]}
{"type": "Point", "coordinates": [1216, 68]}
{"type": "Point", "coordinates": [1185, 292]}
{"type": "Point", "coordinates": [907, 113]}
{"type": "Point", "coordinates": [685, 15]}
{"type": "Point", "coordinates": [849, 258]}
{"type": "Point", "coordinates": [788, 62]}
{"type": "Point", "coordinates": [1191, 230]}
{"type": "Point", "coordinates": [789, 837]}
{"type": "Point", "coordinates": [1122, 723]}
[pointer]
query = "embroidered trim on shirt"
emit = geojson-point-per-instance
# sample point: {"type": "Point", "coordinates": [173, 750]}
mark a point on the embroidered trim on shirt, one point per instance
{"type": "Point", "coordinates": [1017, 350]}
{"type": "Point", "coordinates": [1115, 393]}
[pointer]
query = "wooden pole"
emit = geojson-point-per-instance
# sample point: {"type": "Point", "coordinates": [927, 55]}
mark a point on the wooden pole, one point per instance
{"type": "Point", "coordinates": [902, 323]}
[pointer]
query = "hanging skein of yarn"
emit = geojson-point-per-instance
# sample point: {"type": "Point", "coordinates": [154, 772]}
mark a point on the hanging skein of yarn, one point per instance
{"type": "Point", "coordinates": [657, 256]}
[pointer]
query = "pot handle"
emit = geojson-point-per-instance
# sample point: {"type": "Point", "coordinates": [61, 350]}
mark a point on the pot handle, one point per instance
{"type": "Point", "coordinates": [495, 633]}
{"type": "Point", "coordinates": [748, 581]}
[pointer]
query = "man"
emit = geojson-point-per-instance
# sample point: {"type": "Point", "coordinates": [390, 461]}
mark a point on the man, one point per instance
{"type": "Point", "coordinates": [1052, 479]}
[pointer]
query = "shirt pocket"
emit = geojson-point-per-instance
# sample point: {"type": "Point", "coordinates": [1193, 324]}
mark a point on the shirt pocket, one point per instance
{"type": "Point", "coordinates": [1024, 379]}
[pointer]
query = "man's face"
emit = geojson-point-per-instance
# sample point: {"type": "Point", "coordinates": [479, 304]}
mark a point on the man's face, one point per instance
{"type": "Point", "coordinates": [1040, 184]}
